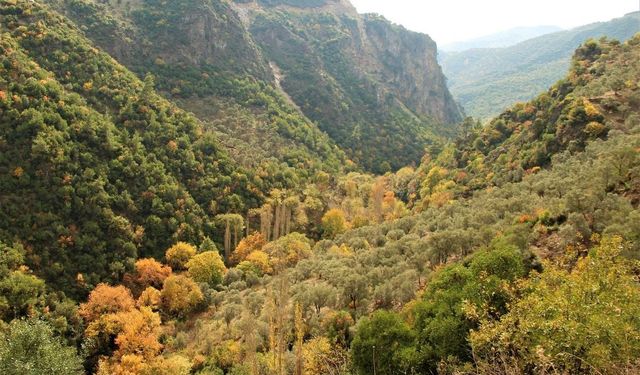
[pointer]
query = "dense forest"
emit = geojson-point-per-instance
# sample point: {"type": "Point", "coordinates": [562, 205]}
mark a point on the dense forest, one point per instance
{"type": "Point", "coordinates": [137, 237]}
{"type": "Point", "coordinates": [326, 74]}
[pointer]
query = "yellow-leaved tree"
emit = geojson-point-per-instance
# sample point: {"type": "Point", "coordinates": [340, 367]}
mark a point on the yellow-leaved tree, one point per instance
{"type": "Point", "coordinates": [179, 254]}
{"type": "Point", "coordinates": [207, 267]}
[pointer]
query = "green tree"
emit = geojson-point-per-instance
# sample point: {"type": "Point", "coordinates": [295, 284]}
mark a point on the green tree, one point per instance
{"type": "Point", "coordinates": [19, 294]}
{"type": "Point", "coordinates": [458, 296]}
{"type": "Point", "coordinates": [207, 245]}
{"type": "Point", "coordinates": [384, 345]}
{"type": "Point", "coordinates": [29, 347]}
{"type": "Point", "coordinates": [582, 320]}
{"type": "Point", "coordinates": [207, 267]}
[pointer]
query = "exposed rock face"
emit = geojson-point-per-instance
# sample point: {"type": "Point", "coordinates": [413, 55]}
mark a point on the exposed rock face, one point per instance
{"type": "Point", "coordinates": [374, 87]}
{"type": "Point", "coordinates": [410, 67]}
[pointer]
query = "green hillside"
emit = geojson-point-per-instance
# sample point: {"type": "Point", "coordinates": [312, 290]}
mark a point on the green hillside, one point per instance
{"type": "Point", "coordinates": [487, 81]}
{"type": "Point", "coordinates": [137, 239]}
{"type": "Point", "coordinates": [249, 72]}
{"type": "Point", "coordinates": [97, 169]}
{"type": "Point", "coordinates": [470, 283]}
{"type": "Point", "coordinates": [212, 69]}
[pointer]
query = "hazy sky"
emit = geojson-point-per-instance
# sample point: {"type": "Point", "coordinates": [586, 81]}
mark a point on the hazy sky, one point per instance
{"type": "Point", "coordinates": [448, 21]}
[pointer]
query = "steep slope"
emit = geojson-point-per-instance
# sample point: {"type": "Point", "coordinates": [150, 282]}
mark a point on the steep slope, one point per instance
{"type": "Point", "coordinates": [374, 87]}
{"type": "Point", "coordinates": [443, 271]}
{"type": "Point", "coordinates": [247, 68]}
{"type": "Point", "coordinates": [202, 58]}
{"type": "Point", "coordinates": [600, 95]}
{"type": "Point", "coordinates": [97, 169]}
{"type": "Point", "coordinates": [501, 39]}
{"type": "Point", "coordinates": [487, 81]}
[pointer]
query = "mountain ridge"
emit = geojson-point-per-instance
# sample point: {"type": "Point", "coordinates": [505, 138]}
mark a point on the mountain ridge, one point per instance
{"type": "Point", "coordinates": [501, 39]}
{"type": "Point", "coordinates": [486, 81]}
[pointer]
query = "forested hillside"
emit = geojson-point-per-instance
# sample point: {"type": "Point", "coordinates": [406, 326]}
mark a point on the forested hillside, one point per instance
{"type": "Point", "coordinates": [488, 81]}
{"type": "Point", "coordinates": [467, 283]}
{"type": "Point", "coordinates": [261, 74]}
{"type": "Point", "coordinates": [97, 169]}
{"type": "Point", "coordinates": [134, 242]}
{"type": "Point", "coordinates": [203, 59]}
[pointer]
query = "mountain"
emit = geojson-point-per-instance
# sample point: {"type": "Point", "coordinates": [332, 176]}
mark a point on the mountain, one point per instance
{"type": "Point", "coordinates": [374, 87]}
{"type": "Point", "coordinates": [511, 250]}
{"type": "Point", "coordinates": [599, 95]}
{"type": "Point", "coordinates": [487, 81]}
{"type": "Point", "coordinates": [459, 275]}
{"type": "Point", "coordinates": [203, 59]}
{"type": "Point", "coordinates": [354, 76]}
{"type": "Point", "coordinates": [500, 39]}
{"type": "Point", "coordinates": [97, 169]}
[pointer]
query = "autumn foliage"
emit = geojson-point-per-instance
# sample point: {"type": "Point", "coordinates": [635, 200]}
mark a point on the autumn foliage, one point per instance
{"type": "Point", "coordinates": [149, 273]}
{"type": "Point", "coordinates": [249, 244]}
{"type": "Point", "coordinates": [179, 254]}
{"type": "Point", "coordinates": [106, 299]}
{"type": "Point", "coordinates": [180, 295]}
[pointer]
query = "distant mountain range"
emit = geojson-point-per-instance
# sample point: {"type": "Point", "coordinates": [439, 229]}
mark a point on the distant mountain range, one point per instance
{"type": "Point", "coordinates": [501, 39]}
{"type": "Point", "coordinates": [486, 81]}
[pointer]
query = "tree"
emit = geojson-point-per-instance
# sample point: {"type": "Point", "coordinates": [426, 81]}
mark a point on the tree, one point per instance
{"type": "Point", "coordinates": [278, 312]}
{"type": "Point", "coordinates": [288, 250]}
{"type": "Point", "coordinates": [29, 347]}
{"type": "Point", "coordinates": [582, 320]}
{"type": "Point", "coordinates": [321, 358]}
{"type": "Point", "coordinates": [266, 218]}
{"type": "Point", "coordinates": [261, 260]}
{"type": "Point", "coordinates": [300, 332]}
{"type": "Point", "coordinates": [337, 327]}
{"type": "Point", "coordinates": [376, 199]}
{"type": "Point", "coordinates": [106, 299]}
{"type": "Point", "coordinates": [207, 267]}
{"type": "Point", "coordinates": [140, 330]}
{"type": "Point", "coordinates": [333, 223]}
{"type": "Point", "coordinates": [249, 244]}
{"type": "Point", "coordinates": [149, 273]}
{"type": "Point", "coordinates": [180, 295]}
{"type": "Point", "coordinates": [150, 297]}
{"type": "Point", "coordinates": [458, 297]}
{"type": "Point", "coordinates": [136, 334]}
{"type": "Point", "coordinates": [207, 245]}
{"type": "Point", "coordinates": [20, 291]}
{"type": "Point", "coordinates": [354, 289]}
{"type": "Point", "coordinates": [19, 294]}
{"type": "Point", "coordinates": [384, 344]}
{"type": "Point", "coordinates": [179, 254]}
{"type": "Point", "coordinates": [318, 295]}
{"type": "Point", "coordinates": [232, 223]}
{"type": "Point", "coordinates": [11, 258]}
